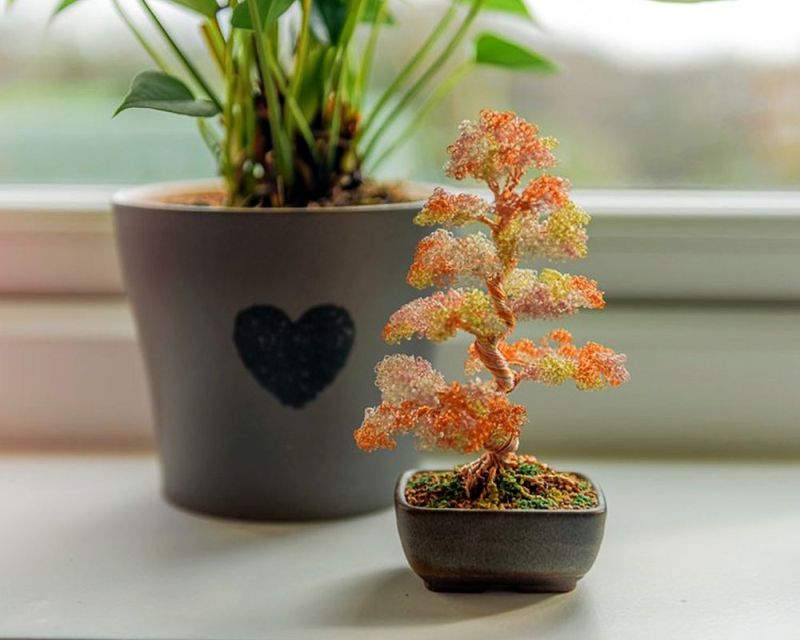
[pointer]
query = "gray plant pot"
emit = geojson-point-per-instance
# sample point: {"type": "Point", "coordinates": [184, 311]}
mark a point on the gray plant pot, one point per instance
{"type": "Point", "coordinates": [476, 549]}
{"type": "Point", "coordinates": [260, 331]}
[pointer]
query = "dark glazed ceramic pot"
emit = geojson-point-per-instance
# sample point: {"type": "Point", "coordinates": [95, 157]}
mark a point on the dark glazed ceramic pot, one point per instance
{"type": "Point", "coordinates": [475, 549]}
{"type": "Point", "coordinates": [260, 331]}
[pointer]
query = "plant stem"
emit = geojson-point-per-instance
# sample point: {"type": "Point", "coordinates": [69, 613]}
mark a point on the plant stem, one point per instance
{"type": "Point", "coordinates": [302, 49]}
{"type": "Point", "coordinates": [151, 51]}
{"type": "Point", "coordinates": [215, 45]}
{"type": "Point", "coordinates": [436, 97]}
{"type": "Point", "coordinates": [369, 53]}
{"type": "Point", "coordinates": [435, 66]}
{"type": "Point", "coordinates": [294, 82]}
{"type": "Point", "coordinates": [338, 75]}
{"type": "Point", "coordinates": [182, 57]}
{"type": "Point", "coordinates": [410, 67]}
{"type": "Point", "coordinates": [210, 138]}
{"type": "Point", "coordinates": [229, 126]}
{"type": "Point", "coordinates": [279, 142]}
{"type": "Point", "coordinates": [294, 108]}
{"type": "Point", "coordinates": [336, 123]}
{"type": "Point", "coordinates": [245, 91]}
{"type": "Point", "coordinates": [340, 59]}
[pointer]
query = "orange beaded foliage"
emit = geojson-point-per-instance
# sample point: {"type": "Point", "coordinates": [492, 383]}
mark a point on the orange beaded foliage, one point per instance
{"type": "Point", "coordinates": [451, 209]}
{"type": "Point", "coordinates": [498, 145]}
{"type": "Point", "coordinates": [591, 366]}
{"type": "Point", "coordinates": [464, 418]}
{"type": "Point", "coordinates": [442, 259]}
{"type": "Point", "coordinates": [535, 222]}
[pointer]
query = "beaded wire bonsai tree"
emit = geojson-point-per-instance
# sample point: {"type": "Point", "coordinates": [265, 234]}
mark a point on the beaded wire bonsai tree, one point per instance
{"type": "Point", "coordinates": [525, 223]}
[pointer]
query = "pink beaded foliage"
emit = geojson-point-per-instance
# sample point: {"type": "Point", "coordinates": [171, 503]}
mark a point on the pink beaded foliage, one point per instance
{"type": "Point", "coordinates": [485, 291]}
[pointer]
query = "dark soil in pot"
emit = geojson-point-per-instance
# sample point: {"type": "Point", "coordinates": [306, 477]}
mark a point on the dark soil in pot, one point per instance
{"type": "Point", "coordinates": [364, 194]}
{"type": "Point", "coordinates": [529, 484]}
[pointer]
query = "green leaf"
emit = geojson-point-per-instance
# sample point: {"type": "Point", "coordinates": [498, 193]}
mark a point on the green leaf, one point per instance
{"type": "Point", "coordinates": [312, 82]}
{"type": "Point", "coordinates": [63, 4]}
{"type": "Point", "coordinates": [207, 8]}
{"type": "Point", "coordinates": [276, 9]}
{"type": "Point", "coordinates": [162, 92]}
{"type": "Point", "coordinates": [499, 52]}
{"type": "Point", "coordinates": [513, 7]}
{"type": "Point", "coordinates": [269, 10]}
{"type": "Point", "coordinates": [328, 18]}
{"type": "Point", "coordinates": [370, 14]}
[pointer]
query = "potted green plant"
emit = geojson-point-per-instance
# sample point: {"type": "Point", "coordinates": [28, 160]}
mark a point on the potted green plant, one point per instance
{"type": "Point", "coordinates": [258, 297]}
{"type": "Point", "coordinates": [504, 519]}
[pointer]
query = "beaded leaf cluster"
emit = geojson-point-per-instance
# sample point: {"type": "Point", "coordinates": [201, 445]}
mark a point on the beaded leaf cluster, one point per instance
{"type": "Point", "coordinates": [485, 290]}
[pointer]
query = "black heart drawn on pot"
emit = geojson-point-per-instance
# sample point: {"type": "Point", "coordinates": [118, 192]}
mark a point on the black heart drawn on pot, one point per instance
{"type": "Point", "coordinates": [294, 361]}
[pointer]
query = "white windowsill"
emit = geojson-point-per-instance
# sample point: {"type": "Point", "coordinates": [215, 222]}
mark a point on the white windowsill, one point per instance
{"type": "Point", "coordinates": [644, 243]}
{"type": "Point", "coordinates": [89, 550]}
{"type": "Point", "coordinates": [93, 199]}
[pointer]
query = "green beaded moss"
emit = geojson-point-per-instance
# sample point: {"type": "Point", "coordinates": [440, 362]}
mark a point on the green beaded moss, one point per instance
{"type": "Point", "coordinates": [528, 485]}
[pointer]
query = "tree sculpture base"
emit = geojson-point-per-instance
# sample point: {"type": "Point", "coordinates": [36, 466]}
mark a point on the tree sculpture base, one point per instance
{"type": "Point", "coordinates": [480, 475]}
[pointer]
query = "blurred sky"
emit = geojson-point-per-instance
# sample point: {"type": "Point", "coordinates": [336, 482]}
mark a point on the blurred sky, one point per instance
{"type": "Point", "coordinates": [635, 32]}
{"type": "Point", "coordinates": [642, 31]}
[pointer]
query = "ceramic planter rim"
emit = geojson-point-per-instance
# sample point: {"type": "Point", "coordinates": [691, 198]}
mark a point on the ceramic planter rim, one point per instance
{"type": "Point", "coordinates": [402, 503]}
{"type": "Point", "coordinates": [151, 196]}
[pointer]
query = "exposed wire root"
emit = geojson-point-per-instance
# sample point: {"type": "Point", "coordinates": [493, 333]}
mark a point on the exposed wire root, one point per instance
{"type": "Point", "coordinates": [480, 474]}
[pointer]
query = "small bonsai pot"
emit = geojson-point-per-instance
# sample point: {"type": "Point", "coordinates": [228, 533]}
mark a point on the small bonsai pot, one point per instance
{"type": "Point", "coordinates": [477, 549]}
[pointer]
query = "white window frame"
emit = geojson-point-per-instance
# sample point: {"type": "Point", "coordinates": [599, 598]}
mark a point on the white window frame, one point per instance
{"type": "Point", "coordinates": [704, 290]}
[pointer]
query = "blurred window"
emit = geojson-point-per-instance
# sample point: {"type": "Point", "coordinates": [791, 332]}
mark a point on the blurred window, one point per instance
{"type": "Point", "coordinates": [650, 94]}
